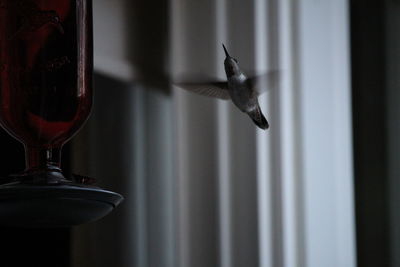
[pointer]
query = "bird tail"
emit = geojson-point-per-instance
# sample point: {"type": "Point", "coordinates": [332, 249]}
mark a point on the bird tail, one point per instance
{"type": "Point", "coordinates": [258, 118]}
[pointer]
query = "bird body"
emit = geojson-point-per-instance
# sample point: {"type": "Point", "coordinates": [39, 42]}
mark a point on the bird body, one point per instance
{"type": "Point", "coordinates": [242, 90]}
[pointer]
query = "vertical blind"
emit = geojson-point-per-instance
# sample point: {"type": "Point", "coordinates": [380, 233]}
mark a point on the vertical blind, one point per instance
{"type": "Point", "coordinates": [203, 186]}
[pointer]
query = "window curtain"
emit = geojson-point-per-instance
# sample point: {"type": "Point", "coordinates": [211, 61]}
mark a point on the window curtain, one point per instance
{"type": "Point", "coordinates": [202, 185]}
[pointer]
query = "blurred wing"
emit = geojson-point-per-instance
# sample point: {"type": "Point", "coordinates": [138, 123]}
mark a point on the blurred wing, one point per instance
{"type": "Point", "coordinates": [215, 89]}
{"type": "Point", "coordinates": [265, 82]}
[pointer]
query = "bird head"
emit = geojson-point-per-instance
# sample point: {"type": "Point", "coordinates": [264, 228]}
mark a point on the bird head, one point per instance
{"type": "Point", "coordinates": [231, 64]}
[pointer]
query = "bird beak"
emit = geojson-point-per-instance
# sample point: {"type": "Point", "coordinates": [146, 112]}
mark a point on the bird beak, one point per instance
{"type": "Point", "coordinates": [226, 52]}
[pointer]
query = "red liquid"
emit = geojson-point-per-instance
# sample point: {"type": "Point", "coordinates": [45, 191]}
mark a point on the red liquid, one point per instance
{"type": "Point", "coordinates": [45, 70]}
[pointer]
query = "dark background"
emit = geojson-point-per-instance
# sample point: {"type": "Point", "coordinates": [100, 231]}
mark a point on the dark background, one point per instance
{"type": "Point", "coordinates": [30, 247]}
{"type": "Point", "coordinates": [370, 126]}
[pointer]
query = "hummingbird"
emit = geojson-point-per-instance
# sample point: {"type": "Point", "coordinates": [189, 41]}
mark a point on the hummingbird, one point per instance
{"type": "Point", "coordinates": [241, 89]}
{"type": "Point", "coordinates": [33, 18]}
